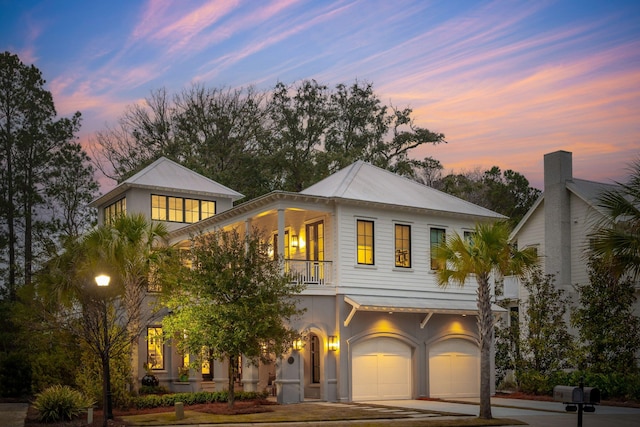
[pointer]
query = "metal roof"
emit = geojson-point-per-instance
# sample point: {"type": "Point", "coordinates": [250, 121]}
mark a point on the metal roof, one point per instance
{"type": "Point", "coordinates": [167, 175]}
{"type": "Point", "coordinates": [364, 182]}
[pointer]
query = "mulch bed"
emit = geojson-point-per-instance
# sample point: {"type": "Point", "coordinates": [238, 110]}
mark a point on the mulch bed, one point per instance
{"type": "Point", "coordinates": [240, 407]}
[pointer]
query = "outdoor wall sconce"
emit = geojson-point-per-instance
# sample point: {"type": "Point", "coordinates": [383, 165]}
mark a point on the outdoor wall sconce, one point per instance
{"type": "Point", "coordinates": [333, 343]}
{"type": "Point", "coordinates": [297, 345]}
{"type": "Point", "coordinates": [294, 241]}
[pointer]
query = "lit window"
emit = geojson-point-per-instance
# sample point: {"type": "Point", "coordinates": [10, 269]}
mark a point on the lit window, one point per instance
{"type": "Point", "coordinates": [437, 238]}
{"type": "Point", "coordinates": [115, 209]}
{"type": "Point", "coordinates": [207, 209]}
{"type": "Point", "coordinates": [155, 348]}
{"type": "Point", "coordinates": [159, 208]}
{"type": "Point", "coordinates": [365, 242]}
{"type": "Point", "coordinates": [403, 245]}
{"type": "Point", "coordinates": [178, 209]}
{"type": "Point", "coordinates": [176, 213]}
{"type": "Point", "coordinates": [191, 211]}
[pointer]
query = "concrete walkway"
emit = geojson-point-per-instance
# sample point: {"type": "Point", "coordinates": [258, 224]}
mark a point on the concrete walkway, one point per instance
{"type": "Point", "coordinates": [13, 414]}
{"type": "Point", "coordinates": [535, 413]}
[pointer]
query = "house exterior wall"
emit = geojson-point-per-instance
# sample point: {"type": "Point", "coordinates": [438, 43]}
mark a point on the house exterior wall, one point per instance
{"type": "Point", "coordinates": [384, 278]}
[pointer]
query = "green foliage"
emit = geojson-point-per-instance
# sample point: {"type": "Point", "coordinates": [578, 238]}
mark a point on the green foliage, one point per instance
{"type": "Point", "coordinates": [546, 344]}
{"type": "Point", "coordinates": [234, 300]}
{"type": "Point", "coordinates": [617, 237]}
{"type": "Point", "coordinates": [608, 329]}
{"type": "Point", "coordinates": [15, 375]}
{"type": "Point", "coordinates": [613, 385]}
{"type": "Point", "coordinates": [60, 403]}
{"type": "Point", "coordinates": [487, 252]}
{"type": "Point", "coordinates": [505, 192]}
{"type": "Point", "coordinates": [285, 138]}
{"type": "Point", "coordinates": [507, 357]}
{"type": "Point", "coordinates": [155, 401]}
{"type": "Point", "coordinates": [89, 378]}
{"type": "Point", "coordinates": [45, 170]}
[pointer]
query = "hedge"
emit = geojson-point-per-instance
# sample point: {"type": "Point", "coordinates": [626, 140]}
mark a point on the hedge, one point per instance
{"type": "Point", "coordinates": [154, 400]}
{"type": "Point", "coordinates": [611, 386]}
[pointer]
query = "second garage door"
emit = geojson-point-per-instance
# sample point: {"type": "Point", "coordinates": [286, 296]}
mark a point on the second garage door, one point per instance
{"type": "Point", "coordinates": [454, 369]}
{"type": "Point", "coordinates": [381, 370]}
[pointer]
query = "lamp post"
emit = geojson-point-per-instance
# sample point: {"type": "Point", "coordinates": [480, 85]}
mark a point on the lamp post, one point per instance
{"type": "Point", "coordinates": [103, 281]}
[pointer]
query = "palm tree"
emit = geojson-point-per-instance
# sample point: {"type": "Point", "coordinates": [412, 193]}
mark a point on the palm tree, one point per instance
{"type": "Point", "coordinates": [132, 247]}
{"type": "Point", "coordinates": [487, 253]}
{"type": "Point", "coordinates": [617, 237]}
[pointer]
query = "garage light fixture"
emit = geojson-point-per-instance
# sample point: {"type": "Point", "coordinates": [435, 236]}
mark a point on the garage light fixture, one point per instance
{"type": "Point", "coordinates": [333, 343]}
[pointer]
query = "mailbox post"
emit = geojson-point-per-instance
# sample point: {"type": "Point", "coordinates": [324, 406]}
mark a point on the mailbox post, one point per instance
{"type": "Point", "coordinates": [577, 398]}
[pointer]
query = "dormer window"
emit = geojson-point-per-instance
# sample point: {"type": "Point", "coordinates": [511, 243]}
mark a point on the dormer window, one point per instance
{"type": "Point", "coordinates": [179, 209]}
{"type": "Point", "coordinates": [115, 209]}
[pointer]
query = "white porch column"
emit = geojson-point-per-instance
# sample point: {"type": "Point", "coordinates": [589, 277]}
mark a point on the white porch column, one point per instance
{"type": "Point", "coordinates": [220, 374]}
{"type": "Point", "coordinates": [250, 375]}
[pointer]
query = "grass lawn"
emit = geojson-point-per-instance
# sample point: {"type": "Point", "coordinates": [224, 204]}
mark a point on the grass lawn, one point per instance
{"type": "Point", "coordinates": [314, 414]}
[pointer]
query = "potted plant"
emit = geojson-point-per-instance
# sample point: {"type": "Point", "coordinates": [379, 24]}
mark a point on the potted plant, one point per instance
{"type": "Point", "coordinates": [183, 373]}
{"type": "Point", "coordinates": [149, 378]}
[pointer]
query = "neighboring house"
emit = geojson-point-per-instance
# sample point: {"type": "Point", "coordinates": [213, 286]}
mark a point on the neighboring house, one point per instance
{"type": "Point", "coordinates": [377, 326]}
{"type": "Point", "coordinates": [558, 226]}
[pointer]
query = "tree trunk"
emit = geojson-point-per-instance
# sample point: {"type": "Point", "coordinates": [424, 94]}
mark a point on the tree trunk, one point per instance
{"type": "Point", "coordinates": [233, 362]}
{"type": "Point", "coordinates": [485, 326]}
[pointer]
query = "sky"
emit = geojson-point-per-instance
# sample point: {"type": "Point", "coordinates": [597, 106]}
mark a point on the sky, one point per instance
{"type": "Point", "coordinates": [505, 81]}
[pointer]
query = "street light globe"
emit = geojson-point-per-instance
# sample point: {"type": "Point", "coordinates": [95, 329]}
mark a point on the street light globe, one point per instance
{"type": "Point", "coordinates": [103, 280]}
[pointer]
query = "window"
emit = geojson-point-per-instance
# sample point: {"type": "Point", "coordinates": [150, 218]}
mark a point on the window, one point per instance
{"type": "Point", "coordinates": [365, 242]}
{"type": "Point", "coordinates": [437, 238]}
{"type": "Point", "coordinates": [191, 211]}
{"type": "Point", "coordinates": [115, 209]}
{"type": "Point", "coordinates": [403, 245]}
{"type": "Point", "coordinates": [207, 363]}
{"type": "Point", "coordinates": [315, 359]}
{"type": "Point", "coordinates": [468, 237]}
{"type": "Point", "coordinates": [155, 348]}
{"type": "Point", "coordinates": [178, 209]}
{"type": "Point", "coordinates": [286, 245]}
{"type": "Point", "coordinates": [159, 208]}
{"type": "Point", "coordinates": [315, 241]}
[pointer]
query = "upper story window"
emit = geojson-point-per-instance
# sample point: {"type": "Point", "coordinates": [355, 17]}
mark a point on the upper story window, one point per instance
{"type": "Point", "coordinates": [403, 245]}
{"type": "Point", "coordinates": [178, 209]}
{"type": "Point", "coordinates": [437, 237]}
{"type": "Point", "coordinates": [365, 242]}
{"type": "Point", "coordinates": [114, 209]}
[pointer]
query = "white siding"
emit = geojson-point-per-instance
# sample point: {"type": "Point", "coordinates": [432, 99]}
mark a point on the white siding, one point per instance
{"type": "Point", "coordinates": [384, 278]}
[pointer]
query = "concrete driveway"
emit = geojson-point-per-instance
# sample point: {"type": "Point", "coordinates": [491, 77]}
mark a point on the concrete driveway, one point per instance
{"type": "Point", "coordinates": [534, 413]}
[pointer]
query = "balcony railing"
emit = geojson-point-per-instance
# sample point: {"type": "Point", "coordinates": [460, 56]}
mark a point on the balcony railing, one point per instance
{"type": "Point", "coordinates": [309, 272]}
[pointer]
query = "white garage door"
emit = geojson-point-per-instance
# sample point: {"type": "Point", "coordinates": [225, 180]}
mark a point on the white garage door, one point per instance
{"type": "Point", "coordinates": [381, 370]}
{"type": "Point", "coordinates": [454, 369]}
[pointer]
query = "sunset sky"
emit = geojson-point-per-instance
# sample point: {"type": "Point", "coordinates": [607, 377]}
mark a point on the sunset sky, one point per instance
{"type": "Point", "coordinates": [505, 81]}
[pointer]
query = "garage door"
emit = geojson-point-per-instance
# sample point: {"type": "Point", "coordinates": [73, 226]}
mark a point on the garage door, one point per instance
{"type": "Point", "coordinates": [381, 370]}
{"type": "Point", "coordinates": [454, 369]}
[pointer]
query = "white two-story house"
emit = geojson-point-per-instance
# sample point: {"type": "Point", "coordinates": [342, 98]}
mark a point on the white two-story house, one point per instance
{"type": "Point", "coordinates": [377, 325]}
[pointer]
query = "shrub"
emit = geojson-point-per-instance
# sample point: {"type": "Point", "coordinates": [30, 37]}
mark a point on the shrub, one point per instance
{"type": "Point", "coordinates": [154, 401]}
{"type": "Point", "coordinates": [59, 403]}
{"type": "Point", "coordinates": [147, 389]}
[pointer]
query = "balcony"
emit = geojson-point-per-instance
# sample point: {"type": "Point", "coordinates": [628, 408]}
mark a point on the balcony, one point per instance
{"type": "Point", "coordinates": [309, 272]}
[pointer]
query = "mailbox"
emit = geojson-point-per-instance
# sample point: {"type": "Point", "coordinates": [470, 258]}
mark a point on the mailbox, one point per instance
{"type": "Point", "coordinates": [570, 394]}
{"type": "Point", "coordinates": [591, 395]}
{"type": "Point", "coordinates": [567, 394]}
